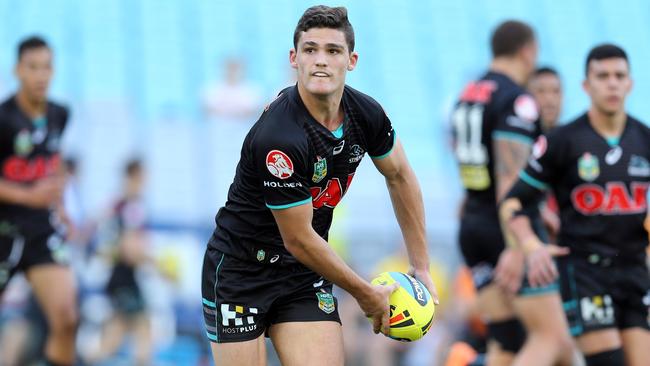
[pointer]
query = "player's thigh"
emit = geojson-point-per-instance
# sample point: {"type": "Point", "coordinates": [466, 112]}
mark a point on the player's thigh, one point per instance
{"type": "Point", "coordinates": [598, 341]}
{"type": "Point", "coordinates": [542, 314]}
{"type": "Point", "coordinates": [56, 291]}
{"type": "Point", "coordinates": [244, 353]}
{"type": "Point", "coordinates": [495, 305]}
{"type": "Point", "coordinates": [308, 343]}
{"type": "Point", "coordinates": [636, 342]}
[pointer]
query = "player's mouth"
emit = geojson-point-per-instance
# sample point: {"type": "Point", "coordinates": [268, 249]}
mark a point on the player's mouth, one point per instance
{"type": "Point", "coordinates": [320, 74]}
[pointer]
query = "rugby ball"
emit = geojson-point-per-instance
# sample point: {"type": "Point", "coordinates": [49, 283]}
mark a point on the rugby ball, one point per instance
{"type": "Point", "coordinates": [411, 307]}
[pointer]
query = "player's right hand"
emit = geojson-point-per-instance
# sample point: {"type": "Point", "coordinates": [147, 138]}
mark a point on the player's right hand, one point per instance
{"type": "Point", "coordinates": [377, 307]}
{"type": "Point", "coordinates": [44, 193]}
{"type": "Point", "coordinates": [541, 267]}
{"type": "Point", "coordinates": [510, 269]}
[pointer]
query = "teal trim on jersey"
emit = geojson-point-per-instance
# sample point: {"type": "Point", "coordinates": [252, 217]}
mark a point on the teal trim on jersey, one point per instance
{"type": "Point", "coordinates": [532, 181]}
{"type": "Point", "coordinates": [209, 303]}
{"type": "Point", "coordinates": [571, 304]}
{"type": "Point", "coordinates": [512, 136]}
{"type": "Point", "coordinates": [338, 133]}
{"type": "Point", "coordinates": [211, 337]}
{"type": "Point", "coordinates": [534, 291]}
{"type": "Point", "coordinates": [575, 331]}
{"type": "Point", "coordinates": [613, 141]}
{"type": "Point", "coordinates": [288, 205]}
{"type": "Point", "coordinates": [40, 122]}
{"type": "Point", "coordinates": [216, 280]}
{"type": "Point", "coordinates": [389, 151]}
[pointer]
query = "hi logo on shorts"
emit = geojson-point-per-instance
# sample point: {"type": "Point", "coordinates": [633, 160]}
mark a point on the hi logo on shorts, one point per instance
{"type": "Point", "coordinates": [234, 316]}
{"type": "Point", "coordinates": [597, 310]}
{"type": "Point", "coordinates": [279, 164]}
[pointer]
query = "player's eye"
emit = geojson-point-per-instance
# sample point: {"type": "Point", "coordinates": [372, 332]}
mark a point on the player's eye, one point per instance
{"type": "Point", "coordinates": [334, 51]}
{"type": "Point", "coordinates": [310, 50]}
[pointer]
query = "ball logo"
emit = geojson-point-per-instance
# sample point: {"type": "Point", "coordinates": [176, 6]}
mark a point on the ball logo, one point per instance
{"type": "Point", "coordinates": [279, 164]}
{"type": "Point", "coordinates": [526, 108]}
{"type": "Point", "coordinates": [419, 292]}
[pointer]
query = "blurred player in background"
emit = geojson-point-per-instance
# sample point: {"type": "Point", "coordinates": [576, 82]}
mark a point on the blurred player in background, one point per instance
{"type": "Point", "coordinates": [31, 184]}
{"type": "Point", "coordinates": [546, 87]}
{"type": "Point", "coordinates": [268, 268]}
{"type": "Point", "coordinates": [598, 166]}
{"type": "Point", "coordinates": [495, 122]}
{"type": "Point", "coordinates": [129, 251]}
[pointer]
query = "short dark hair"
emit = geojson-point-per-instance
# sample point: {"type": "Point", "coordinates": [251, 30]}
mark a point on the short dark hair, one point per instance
{"type": "Point", "coordinates": [321, 16]}
{"type": "Point", "coordinates": [511, 36]}
{"type": "Point", "coordinates": [546, 70]}
{"type": "Point", "coordinates": [31, 43]}
{"type": "Point", "coordinates": [604, 51]}
{"type": "Point", "coordinates": [133, 167]}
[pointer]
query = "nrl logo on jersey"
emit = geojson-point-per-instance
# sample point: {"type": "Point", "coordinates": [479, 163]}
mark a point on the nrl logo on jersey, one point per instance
{"type": "Point", "coordinates": [588, 168]}
{"type": "Point", "coordinates": [320, 169]}
{"type": "Point", "coordinates": [23, 143]}
{"type": "Point", "coordinates": [638, 167]}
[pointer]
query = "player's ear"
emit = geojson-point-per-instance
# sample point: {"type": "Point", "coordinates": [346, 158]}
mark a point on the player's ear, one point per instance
{"type": "Point", "coordinates": [585, 84]}
{"type": "Point", "coordinates": [292, 58]}
{"type": "Point", "coordinates": [354, 57]}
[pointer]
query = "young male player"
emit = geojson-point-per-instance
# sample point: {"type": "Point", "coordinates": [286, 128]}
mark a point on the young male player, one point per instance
{"type": "Point", "coordinates": [495, 122]}
{"type": "Point", "coordinates": [598, 166]}
{"type": "Point", "coordinates": [268, 268]}
{"type": "Point", "coordinates": [31, 185]}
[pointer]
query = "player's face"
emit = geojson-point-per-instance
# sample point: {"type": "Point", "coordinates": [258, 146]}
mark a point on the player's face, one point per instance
{"type": "Point", "coordinates": [322, 60]}
{"type": "Point", "coordinates": [34, 71]}
{"type": "Point", "coordinates": [547, 91]}
{"type": "Point", "coordinates": [608, 83]}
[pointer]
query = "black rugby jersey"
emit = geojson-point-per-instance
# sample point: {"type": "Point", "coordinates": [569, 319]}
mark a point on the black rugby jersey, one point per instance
{"type": "Point", "coordinates": [29, 151]}
{"type": "Point", "coordinates": [288, 158]}
{"type": "Point", "coordinates": [489, 108]}
{"type": "Point", "coordinates": [600, 186]}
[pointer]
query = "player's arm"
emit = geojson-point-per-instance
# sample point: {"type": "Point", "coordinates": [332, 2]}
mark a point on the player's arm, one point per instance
{"type": "Point", "coordinates": [408, 206]}
{"type": "Point", "coordinates": [42, 194]}
{"type": "Point", "coordinates": [310, 249]}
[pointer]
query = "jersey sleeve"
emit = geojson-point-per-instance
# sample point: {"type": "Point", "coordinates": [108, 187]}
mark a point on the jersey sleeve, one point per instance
{"type": "Point", "coordinates": [543, 164]}
{"type": "Point", "coordinates": [282, 166]}
{"type": "Point", "coordinates": [381, 136]}
{"type": "Point", "coordinates": [518, 120]}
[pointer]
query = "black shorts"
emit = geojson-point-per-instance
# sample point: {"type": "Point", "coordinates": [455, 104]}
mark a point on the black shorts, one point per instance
{"type": "Point", "coordinates": [598, 296]}
{"type": "Point", "coordinates": [19, 252]}
{"type": "Point", "coordinates": [242, 298]}
{"type": "Point", "coordinates": [124, 291]}
{"type": "Point", "coordinates": [481, 243]}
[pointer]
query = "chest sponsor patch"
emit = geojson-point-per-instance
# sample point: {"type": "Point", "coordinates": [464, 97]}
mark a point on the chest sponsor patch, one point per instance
{"type": "Point", "coordinates": [588, 167]}
{"type": "Point", "coordinates": [279, 164]}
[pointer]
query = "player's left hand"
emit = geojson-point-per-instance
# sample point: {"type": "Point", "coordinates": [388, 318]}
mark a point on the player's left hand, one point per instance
{"type": "Point", "coordinates": [510, 269]}
{"type": "Point", "coordinates": [424, 276]}
{"type": "Point", "coordinates": [541, 267]}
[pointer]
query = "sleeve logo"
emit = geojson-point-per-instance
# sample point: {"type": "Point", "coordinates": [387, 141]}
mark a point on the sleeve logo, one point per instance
{"type": "Point", "coordinates": [539, 148]}
{"type": "Point", "coordinates": [279, 164]}
{"type": "Point", "coordinates": [526, 108]}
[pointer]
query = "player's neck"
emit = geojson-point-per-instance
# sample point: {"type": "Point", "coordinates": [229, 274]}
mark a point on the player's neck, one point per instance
{"type": "Point", "coordinates": [32, 108]}
{"type": "Point", "coordinates": [511, 68]}
{"type": "Point", "coordinates": [607, 125]}
{"type": "Point", "coordinates": [326, 110]}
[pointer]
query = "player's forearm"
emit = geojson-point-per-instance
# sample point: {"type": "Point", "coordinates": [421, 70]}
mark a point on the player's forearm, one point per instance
{"type": "Point", "coordinates": [407, 202]}
{"type": "Point", "coordinates": [314, 252]}
{"type": "Point", "coordinates": [12, 193]}
{"type": "Point", "coordinates": [517, 229]}
{"type": "Point", "coordinates": [510, 158]}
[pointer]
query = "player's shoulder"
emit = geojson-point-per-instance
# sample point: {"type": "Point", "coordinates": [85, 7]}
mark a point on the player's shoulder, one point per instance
{"type": "Point", "coordinates": [362, 104]}
{"type": "Point", "coordinates": [640, 126]}
{"type": "Point", "coordinates": [281, 123]}
{"type": "Point", "coordinates": [7, 106]}
{"type": "Point", "coordinates": [565, 133]}
{"type": "Point", "coordinates": [57, 108]}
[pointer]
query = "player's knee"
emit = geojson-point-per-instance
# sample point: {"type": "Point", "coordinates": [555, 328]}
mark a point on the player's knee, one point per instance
{"type": "Point", "coordinates": [64, 320]}
{"type": "Point", "coordinates": [510, 334]}
{"type": "Point", "coordinates": [607, 358]}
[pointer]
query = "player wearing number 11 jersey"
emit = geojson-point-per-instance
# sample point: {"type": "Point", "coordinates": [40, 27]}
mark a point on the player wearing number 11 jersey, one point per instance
{"type": "Point", "coordinates": [495, 122]}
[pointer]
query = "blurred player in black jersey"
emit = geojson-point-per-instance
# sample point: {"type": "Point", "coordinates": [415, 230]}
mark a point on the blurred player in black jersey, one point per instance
{"type": "Point", "coordinates": [268, 268]}
{"type": "Point", "coordinates": [31, 184]}
{"type": "Point", "coordinates": [495, 122]}
{"type": "Point", "coordinates": [546, 87]}
{"type": "Point", "coordinates": [598, 166]}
